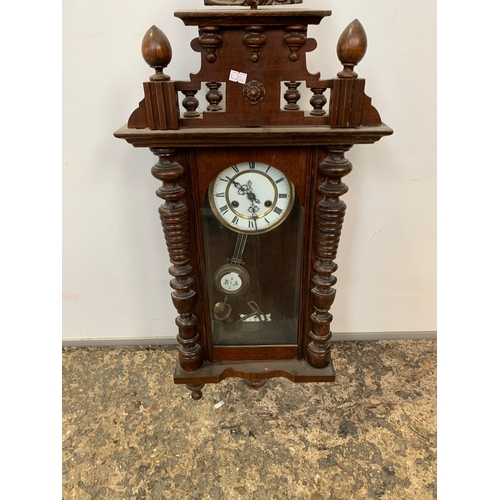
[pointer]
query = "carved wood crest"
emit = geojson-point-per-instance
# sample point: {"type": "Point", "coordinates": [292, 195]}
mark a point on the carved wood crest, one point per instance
{"type": "Point", "coordinates": [251, 2]}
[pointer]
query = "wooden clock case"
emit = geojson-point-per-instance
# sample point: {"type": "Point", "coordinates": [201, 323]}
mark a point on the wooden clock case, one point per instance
{"type": "Point", "coordinates": [259, 120]}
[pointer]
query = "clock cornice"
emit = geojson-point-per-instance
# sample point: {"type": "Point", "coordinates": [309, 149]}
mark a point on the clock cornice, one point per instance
{"type": "Point", "coordinates": [266, 17]}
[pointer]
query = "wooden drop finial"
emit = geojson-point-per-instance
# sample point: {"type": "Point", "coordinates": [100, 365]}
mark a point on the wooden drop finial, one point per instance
{"type": "Point", "coordinates": [351, 48]}
{"type": "Point", "coordinates": [157, 52]}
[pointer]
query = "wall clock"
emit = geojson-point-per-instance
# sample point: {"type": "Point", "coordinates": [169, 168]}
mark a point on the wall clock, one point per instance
{"type": "Point", "coordinates": [251, 187]}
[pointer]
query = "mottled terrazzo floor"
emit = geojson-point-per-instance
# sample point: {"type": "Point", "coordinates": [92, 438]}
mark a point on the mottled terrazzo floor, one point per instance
{"type": "Point", "coordinates": [130, 433]}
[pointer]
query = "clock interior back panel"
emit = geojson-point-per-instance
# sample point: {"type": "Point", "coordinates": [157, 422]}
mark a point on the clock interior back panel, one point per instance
{"type": "Point", "coordinates": [274, 282]}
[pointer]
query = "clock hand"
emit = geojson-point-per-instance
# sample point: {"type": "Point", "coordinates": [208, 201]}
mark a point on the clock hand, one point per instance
{"type": "Point", "coordinates": [250, 194]}
{"type": "Point", "coordinates": [253, 208]}
{"type": "Point", "coordinates": [246, 189]}
{"type": "Point", "coordinates": [242, 189]}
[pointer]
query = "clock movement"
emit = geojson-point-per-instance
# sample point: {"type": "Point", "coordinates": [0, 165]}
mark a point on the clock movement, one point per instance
{"type": "Point", "coordinates": [251, 187]}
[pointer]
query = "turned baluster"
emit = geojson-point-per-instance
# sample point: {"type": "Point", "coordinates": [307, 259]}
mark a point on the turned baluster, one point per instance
{"type": "Point", "coordinates": [330, 212]}
{"type": "Point", "coordinates": [292, 95]}
{"type": "Point", "coordinates": [318, 101]}
{"type": "Point", "coordinates": [191, 103]}
{"type": "Point", "coordinates": [214, 96]}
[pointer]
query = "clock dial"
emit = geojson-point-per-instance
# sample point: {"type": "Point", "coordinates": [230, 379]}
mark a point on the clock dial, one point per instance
{"type": "Point", "coordinates": [251, 197]}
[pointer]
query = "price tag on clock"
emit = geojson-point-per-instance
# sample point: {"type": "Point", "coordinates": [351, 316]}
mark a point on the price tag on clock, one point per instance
{"type": "Point", "coordinates": [236, 76]}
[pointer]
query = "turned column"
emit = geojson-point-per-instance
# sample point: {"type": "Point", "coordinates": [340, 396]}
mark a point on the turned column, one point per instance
{"type": "Point", "coordinates": [174, 219]}
{"type": "Point", "coordinates": [330, 212]}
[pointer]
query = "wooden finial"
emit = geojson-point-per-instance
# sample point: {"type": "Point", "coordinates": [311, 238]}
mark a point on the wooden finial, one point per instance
{"type": "Point", "coordinates": [157, 52]}
{"type": "Point", "coordinates": [351, 48]}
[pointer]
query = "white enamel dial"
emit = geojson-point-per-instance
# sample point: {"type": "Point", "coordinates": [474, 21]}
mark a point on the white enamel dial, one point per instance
{"type": "Point", "coordinates": [251, 197]}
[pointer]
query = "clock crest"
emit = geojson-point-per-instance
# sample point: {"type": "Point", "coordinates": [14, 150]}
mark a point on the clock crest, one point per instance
{"type": "Point", "coordinates": [250, 3]}
{"type": "Point", "coordinates": [251, 156]}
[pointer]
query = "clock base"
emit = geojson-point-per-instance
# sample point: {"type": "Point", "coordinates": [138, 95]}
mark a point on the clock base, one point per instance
{"type": "Point", "coordinates": [254, 373]}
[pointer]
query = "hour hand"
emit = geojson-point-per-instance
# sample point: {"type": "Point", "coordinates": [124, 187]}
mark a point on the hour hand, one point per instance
{"type": "Point", "coordinates": [250, 194]}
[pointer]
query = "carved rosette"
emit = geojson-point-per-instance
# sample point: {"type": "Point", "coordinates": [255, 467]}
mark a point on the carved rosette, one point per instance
{"type": "Point", "coordinates": [210, 40]}
{"type": "Point", "coordinates": [330, 212]}
{"type": "Point", "coordinates": [254, 92]}
{"type": "Point", "coordinates": [174, 219]}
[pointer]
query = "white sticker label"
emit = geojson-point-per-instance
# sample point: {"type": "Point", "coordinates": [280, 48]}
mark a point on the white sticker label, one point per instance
{"type": "Point", "coordinates": [218, 405]}
{"type": "Point", "coordinates": [236, 76]}
{"type": "Point", "coordinates": [254, 318]}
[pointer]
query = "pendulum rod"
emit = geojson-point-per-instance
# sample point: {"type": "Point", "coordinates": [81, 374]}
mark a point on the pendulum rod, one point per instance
{"type": "Point", "coordinates": [239, 248]}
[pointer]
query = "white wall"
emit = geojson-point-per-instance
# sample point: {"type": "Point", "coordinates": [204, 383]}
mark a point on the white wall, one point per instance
{"type": "Point", "coordinates": [115, 261]}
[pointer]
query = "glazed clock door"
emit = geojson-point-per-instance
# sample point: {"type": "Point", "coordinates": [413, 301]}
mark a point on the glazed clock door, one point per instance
{"type": "Point", "coordinates": [252, 231]}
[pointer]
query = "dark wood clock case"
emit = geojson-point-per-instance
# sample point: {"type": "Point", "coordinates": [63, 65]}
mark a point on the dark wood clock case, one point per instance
{"type": "Point", "coordinates": [259, 120]}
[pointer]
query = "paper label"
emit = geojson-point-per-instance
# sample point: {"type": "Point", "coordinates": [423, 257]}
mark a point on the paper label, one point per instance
{"type": "Point", "coordinates": [218, 405]}
{"type": "Point", "coordinates": [236, 76]}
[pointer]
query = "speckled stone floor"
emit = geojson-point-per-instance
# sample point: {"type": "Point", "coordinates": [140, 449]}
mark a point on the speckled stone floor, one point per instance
{"type": "Point", "coordinates": [130, 433]}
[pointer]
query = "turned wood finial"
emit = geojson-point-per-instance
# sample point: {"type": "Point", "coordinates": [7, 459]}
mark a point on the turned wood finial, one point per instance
{"type": "Point", "coordinates": [157, 52]}
{"type": "Point", "coordinates": [351, 48]}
